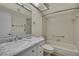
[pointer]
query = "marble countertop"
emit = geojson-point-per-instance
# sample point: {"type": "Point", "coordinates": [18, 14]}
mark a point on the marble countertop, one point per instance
{"type": "Point", "coordinates": [15, 47]}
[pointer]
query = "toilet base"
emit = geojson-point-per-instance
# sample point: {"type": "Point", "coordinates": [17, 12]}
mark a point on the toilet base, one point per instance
{"type": "Point", "coordinates": [52, 54]}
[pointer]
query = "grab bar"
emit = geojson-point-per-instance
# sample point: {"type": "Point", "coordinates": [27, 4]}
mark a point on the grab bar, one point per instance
{"type": "Point", "coordinates": [59, 36]}
{"type": "Point", "coordinates": [18, 25]}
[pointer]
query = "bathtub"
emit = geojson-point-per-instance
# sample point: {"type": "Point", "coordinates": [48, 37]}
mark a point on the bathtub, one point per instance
{"type": "Point", "coordinates": [65, 49]}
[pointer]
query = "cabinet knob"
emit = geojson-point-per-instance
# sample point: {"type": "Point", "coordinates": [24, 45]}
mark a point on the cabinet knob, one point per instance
{"type": "Point", "coordinates": [33, 51]}
{"type": "Point", "coordinates": [40, 51]}
{"type": "Point", "coordinates": [40, 45]}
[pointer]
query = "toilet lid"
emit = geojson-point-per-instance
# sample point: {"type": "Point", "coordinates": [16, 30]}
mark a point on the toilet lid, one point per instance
{"type": "Point", "coordinates": [48, 47]}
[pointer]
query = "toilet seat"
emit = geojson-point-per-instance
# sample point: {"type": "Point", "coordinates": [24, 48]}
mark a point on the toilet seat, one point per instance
{"type": "Point", "coordinates": [48, 48]}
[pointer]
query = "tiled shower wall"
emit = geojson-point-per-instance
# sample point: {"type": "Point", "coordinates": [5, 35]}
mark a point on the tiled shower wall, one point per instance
{"type": "Point", "coordinates": [60, 27]}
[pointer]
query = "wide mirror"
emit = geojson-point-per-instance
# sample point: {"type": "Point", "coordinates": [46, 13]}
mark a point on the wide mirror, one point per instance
{"type": "Point", "coordinates": [15, 18]}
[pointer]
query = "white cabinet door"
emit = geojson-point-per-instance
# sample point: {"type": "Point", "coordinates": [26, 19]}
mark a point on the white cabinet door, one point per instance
{"type": "Point", "coordinates": [28, 52]}
{"type": "Point", "coordinates": [33, 51]}
{"type": "Point", "coordinates": [36, 50]}
{"type": "Point", "coordinates": [40, 49]}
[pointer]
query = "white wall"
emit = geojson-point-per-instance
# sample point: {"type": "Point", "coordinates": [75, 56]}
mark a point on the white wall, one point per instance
{"type": "Point", "coordinates": [61, 24]}
{"type": "Point", "coordinates": [76, 22]}
{"type": "Point", "coordinates": [36, 22]}
{"type": "Point", "coordinates": [44, 27]}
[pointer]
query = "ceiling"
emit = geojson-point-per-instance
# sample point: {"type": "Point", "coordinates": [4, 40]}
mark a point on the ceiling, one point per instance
{"type": "Point", "coordinates": [54, 7]}
{"type": "Point", "coordinates": [48, 8]}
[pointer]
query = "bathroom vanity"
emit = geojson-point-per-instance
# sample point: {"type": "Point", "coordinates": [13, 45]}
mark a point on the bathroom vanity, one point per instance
{"type": "Point", "coordinates": [35, 49]}
{"type": "Point", "coordinates": [24, 47]}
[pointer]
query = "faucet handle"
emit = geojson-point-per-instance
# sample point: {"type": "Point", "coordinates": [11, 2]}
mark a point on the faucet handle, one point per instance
{"type": "Point", "coordinates": [10, 40]}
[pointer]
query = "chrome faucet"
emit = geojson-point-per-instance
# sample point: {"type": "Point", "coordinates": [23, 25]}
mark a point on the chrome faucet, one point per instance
{"type": "Point", "coordinates": [16, 38]}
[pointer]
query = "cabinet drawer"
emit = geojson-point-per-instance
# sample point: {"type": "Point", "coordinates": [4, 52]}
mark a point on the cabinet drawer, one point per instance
{"type": "Point", "coordinates": [30, 52]}
{"type": "Point", "coordinates": [40, 49]}
{"type": "Point", "coordinates": [35, 50]}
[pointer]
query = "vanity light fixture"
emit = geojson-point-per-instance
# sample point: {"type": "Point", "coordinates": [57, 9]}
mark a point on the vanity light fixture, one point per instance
{"type": "Point", "coordinates": [36, 4]}
{"type": "Point", "coordinates": [20, 4]}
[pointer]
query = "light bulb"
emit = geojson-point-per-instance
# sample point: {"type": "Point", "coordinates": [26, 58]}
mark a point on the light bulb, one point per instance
{"type": "Point", "coordinates": [36, 4]}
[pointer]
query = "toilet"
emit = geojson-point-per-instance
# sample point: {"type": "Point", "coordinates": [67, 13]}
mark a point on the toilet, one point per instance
{"type": "Point", "coordinates": [48, 49]}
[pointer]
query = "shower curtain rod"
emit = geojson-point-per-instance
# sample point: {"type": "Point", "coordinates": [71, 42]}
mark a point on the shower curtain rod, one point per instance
{"type": "Point", "coordinates": [59, 11]}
